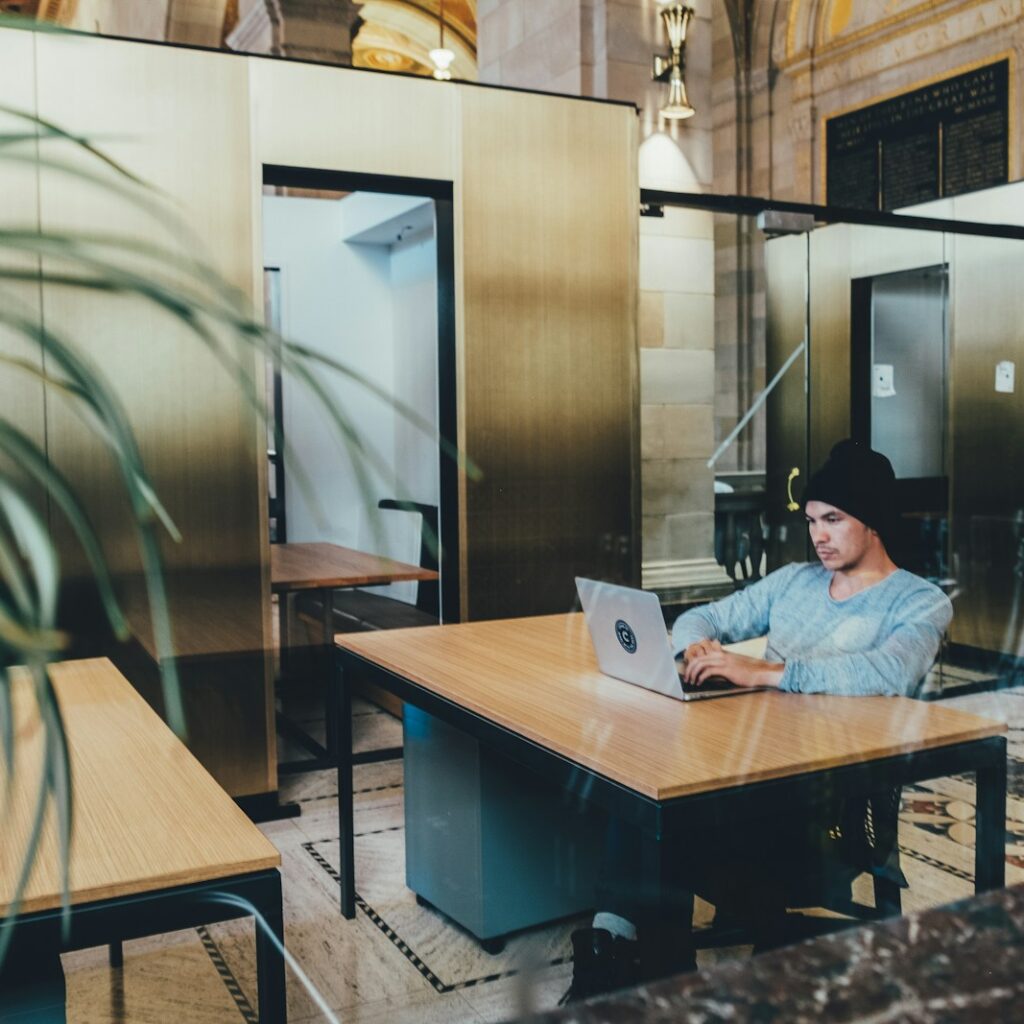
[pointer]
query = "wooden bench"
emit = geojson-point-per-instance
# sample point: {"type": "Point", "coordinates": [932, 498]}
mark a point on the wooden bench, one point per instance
{"type": "Point", "coordinates": [157, 845]}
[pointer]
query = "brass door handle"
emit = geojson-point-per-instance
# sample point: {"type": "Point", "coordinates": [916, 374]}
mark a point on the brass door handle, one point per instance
{"type": "Point", "coordinates": [793, 506]}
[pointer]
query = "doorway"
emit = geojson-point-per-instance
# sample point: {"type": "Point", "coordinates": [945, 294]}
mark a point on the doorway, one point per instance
{"type": "Point", "coordinates": [365, 275]}
{"type": "Point", "coordinates": [900, 399]}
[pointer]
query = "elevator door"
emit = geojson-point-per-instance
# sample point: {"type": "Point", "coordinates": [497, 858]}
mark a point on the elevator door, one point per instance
{"type": "Point", "coordinates": [900, 400]}
{"type": "Point", "coordinates": [908, 390]}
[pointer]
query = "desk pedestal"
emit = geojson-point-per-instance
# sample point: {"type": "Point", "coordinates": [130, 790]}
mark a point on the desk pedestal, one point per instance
{"type": "Point", "coordinates": [488, 842]}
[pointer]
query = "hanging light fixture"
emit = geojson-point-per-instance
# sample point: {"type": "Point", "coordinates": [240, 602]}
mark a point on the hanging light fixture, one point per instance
{"type": "Point", "coordinates": [442, 56]}
{"type": "Point", "coordinates": [670, 69]}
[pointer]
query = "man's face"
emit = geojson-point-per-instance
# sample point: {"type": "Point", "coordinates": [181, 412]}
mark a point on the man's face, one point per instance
{"type": "Point", "coordinates": [839, 540]}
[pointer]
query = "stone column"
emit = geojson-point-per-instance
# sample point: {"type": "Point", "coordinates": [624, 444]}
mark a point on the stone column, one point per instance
{"type": "Point", "coordinates": [320, 30]}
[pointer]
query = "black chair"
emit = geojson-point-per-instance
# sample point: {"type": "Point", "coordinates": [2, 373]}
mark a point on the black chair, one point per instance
{"type": "Point", "coordinates": [739, 535]}
{"type": "Point", "coordinates": [863, 838]}
{"type": "Point", "coordinates": [363, 610]}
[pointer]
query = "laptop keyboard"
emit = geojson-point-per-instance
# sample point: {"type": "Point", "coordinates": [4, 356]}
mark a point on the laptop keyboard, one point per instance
{"type": "Point", "coordinates": [709, 686]}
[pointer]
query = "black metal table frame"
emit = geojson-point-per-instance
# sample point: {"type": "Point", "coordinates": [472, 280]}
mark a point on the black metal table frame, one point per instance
{"type": "Point", "coordinates": [664, 823]}
{"type": "Point", "coordinates": [322, 757]}
{"type": "Point", "coordinates": [109, 922]}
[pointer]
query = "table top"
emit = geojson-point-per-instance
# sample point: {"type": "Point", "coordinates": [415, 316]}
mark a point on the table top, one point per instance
{"type": "Point", "coordinates": [538, 677]}
{"type": "Point", "coordinates": [320, 566]}
{"type": "Point", "coordinates": [147, 815]}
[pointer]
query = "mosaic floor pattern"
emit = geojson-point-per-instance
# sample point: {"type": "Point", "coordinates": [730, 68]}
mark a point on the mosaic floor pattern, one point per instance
{"type": "Point", "coordinates": [401, 962]}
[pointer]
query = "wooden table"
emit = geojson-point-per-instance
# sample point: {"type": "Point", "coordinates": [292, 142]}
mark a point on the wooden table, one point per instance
{"type": "Point", "coordinates": [326, 568]}
{"type": "Point", "coordinates": [157, 844]}
{"type": "Point", "coordinates": [531, 688]}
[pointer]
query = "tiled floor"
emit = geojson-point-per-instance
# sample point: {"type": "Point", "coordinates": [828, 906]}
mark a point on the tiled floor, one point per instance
{"type": "Point", "coordinates": [399, 962]}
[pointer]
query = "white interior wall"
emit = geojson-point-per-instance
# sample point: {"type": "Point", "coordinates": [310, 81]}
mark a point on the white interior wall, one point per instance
{"type": "Point", "coordinates": [414, 313]}
{"type": "Point", "coordinates": [373, 307]}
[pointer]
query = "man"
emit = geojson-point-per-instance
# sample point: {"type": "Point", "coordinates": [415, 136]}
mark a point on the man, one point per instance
{"type": "Point", "coordinates": [853, 624]}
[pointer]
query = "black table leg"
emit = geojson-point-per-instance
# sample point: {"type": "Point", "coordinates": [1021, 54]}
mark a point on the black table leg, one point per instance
{"type": "Point", "coordinates": [990, 816]}
{"type": "Point", "coordinates": [341, 712]}
{"type": "Point", "coordinates": [269, 959]}
{"type": "Point", "coordinates": [327, 668]}
{"type": "Point", "coordinates": [283, 636]}
{"type": "Point", "coordinates": [666, 925]}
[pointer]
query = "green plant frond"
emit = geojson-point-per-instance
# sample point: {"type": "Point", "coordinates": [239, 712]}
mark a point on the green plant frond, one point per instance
{"type": "Point", "coordinates": [406, 411]}
{"type": "Point", "coordinates": [13, 576]}
{"type": "Point", "coordinates": [360, 454]}
{"type": "Point", "coordinates": [261, 341]}
{"type": "Point", "coordinates": [23, 23]}
{"type": "Point", "coordinates": [15, 138]}
{"type": "Point", "coordinates": [34, 542]}
{"type": "Point", "coordinates": [81, 248]}
{"type": "Point", "coordinates": [6, 738]}
{"type": "Point", "coordinates": [156, 589]}
{"type": "Point", "coordinates": [25, 637]}
{"type": "Point", "coordinates": [32, 459]}
{"type": "Point", "coordinates": [140, 197]}
{"type": "Point", "coordinates": [96, 394]}
{"type": "Point", "coordinates": [55, 131]}
{"type": "Point", "coordinates": [27, 862]}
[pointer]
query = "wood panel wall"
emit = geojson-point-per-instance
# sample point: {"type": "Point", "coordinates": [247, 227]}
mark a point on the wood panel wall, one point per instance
{"type": "Point", "coordinates": [177, 119]}
{"type": "Point", "coordinates": [550, 392]}
{"type": "Point", "coordinates": [545, 217]}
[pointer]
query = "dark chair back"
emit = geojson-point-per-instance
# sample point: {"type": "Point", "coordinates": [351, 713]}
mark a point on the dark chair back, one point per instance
{"type": "Point", "coordinates": [428, 593]}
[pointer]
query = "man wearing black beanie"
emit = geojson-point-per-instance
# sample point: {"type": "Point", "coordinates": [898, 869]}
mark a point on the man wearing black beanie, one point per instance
{"type": "Point", "coordinates": [852, 624]}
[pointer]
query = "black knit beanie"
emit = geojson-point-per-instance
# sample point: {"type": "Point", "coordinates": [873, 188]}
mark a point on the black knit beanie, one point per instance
{"type": "Point", "coordinates": [859, 481]}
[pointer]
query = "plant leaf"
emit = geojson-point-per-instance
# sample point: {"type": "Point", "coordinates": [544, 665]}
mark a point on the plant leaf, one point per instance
{"type": "Point", "coordinates": [27, 454]}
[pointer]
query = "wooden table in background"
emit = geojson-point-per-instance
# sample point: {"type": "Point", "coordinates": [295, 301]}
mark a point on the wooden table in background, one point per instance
{"type": "Point", "coordinates": [158, 845]}
{"type": "Point", "coordinates": [325, 568]}
{"type": "Point", "coordinates": [532, 689]}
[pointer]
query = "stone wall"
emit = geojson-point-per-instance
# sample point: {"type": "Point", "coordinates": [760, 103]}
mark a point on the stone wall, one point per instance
{"type": "Point", "coordinates": [807, 61]}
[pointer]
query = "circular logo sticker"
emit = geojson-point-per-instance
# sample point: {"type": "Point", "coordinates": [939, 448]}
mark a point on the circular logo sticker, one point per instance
{"type": "Point", "coordinates": [625, 636]}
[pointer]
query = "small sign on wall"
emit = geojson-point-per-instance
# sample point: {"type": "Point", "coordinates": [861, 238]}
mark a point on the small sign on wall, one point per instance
{"type": "Point", "coordinates": [883, 381]}
{"type": "Point", "coordinates": [1005, 374]}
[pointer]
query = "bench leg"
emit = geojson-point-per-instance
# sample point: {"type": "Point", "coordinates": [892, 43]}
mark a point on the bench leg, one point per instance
{"type": "Point", "coordinates": [116, 954]}
{"type": "Point", "coordinates": [341, 712]}
{"type": "Point", "coordinates": [269, 961]}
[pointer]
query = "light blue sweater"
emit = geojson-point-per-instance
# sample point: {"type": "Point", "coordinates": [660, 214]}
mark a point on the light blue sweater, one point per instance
{"type": "Point", "coordinates": [882, 640]}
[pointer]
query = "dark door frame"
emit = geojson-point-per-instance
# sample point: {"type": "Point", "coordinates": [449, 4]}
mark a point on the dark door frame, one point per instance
{"type": "Point", "coordinates": [441, 192]}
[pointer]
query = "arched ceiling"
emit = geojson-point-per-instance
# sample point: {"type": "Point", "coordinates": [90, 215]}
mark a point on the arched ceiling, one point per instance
{"type": "Point", "coordinates": [393, 35]}
{"type": "Point", "coordinates": [814, 25]}
{"type": "Point", "coordinates": [398, 35]}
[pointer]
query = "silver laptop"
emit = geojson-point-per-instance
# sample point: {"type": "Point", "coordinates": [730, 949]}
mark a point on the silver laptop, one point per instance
{"type": "Point", "coordinates": [631, 642]}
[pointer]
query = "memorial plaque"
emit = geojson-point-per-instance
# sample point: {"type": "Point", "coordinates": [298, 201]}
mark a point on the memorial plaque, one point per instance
{"type": "Point", "coordinates": [943, 140]}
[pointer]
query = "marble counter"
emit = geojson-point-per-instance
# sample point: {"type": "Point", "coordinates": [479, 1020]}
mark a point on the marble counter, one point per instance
{"type": "Point", "coordinates": [962, 962]}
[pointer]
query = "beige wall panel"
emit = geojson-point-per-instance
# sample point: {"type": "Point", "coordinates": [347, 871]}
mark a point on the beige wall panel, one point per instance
{"type": "Point", "coordinates": [21, 395]}
{"type": "Point", "coordinates": [875, 251]}
{"type": "Point", "coordinates": [179, 120]}
{"type": "Point", "coordinates": [550, 383]}
{"type": "Point", "coordinates": [344, 120]}
{"type": "Point", "coordinates": [786, 290]}
{"type": "Point", "coordinates": [830, 339]}
{"type": "Point", "coordinates": [988, 427]}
